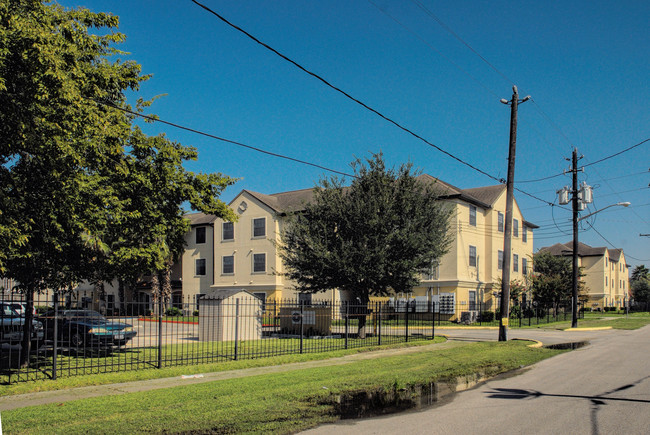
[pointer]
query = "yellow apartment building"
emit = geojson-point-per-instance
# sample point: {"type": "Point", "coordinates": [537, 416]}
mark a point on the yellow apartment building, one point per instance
{"type": "Point", "coordinates": [242, 255]}
{"type": "Point", "coordinates": [606, 274]}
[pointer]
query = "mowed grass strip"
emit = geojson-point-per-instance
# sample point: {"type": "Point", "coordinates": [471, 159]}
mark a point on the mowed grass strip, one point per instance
{"type": "Point", "coordinates": [599, 320]}
{"type": "Point", "coordinates": [278, 403]}
{"type": "Point", "coordinates": [67, 379]}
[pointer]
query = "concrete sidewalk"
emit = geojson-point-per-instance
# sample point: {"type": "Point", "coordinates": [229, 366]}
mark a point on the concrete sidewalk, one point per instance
{"type": "Point", "coordinates": [456, 337]}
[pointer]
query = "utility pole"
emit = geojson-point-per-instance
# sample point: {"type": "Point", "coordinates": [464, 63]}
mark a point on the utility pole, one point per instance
{"type": "Point", "coordinates": [574, 298]}
{"type": "Point", "coordinates": [507, 230]}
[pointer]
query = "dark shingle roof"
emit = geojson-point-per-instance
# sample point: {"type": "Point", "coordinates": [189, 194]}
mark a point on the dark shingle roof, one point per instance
{"type": "Point", "coordinates": [200, 218]}
{"type": "Point", "coordinates": [583, 250]}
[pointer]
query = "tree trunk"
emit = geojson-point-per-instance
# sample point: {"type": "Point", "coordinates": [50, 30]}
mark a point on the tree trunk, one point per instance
{"type": "Point", "coordinates": [26, 345]}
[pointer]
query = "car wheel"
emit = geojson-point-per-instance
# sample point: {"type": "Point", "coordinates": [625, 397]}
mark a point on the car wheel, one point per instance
{"type": "Point", "coordinates": [77, 339]}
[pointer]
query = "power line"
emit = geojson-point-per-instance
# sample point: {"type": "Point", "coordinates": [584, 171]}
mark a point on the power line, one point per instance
{"type": "Point", "coordinates": [612, 245]}
{"type": "Point", "coordinates": [618, 153]}
{"type": "Point", "coordinates": [424, 41]}
{"type": "Point", "coordinates": [342, 92]}
{"type": "Point", "coordinates": [192, 130]}
{"type": "Point", "coordinates": [462, 41]}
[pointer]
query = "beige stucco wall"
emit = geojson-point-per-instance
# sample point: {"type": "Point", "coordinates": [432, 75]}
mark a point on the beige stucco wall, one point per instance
{"type": "Point", "coordinates": [194, 284]}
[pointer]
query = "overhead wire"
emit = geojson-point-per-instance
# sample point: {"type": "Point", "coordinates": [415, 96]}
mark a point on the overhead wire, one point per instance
{"type": "Point", "coordinates": [222, 139]}
{"type": "Point", "coordinates": [347, 95]}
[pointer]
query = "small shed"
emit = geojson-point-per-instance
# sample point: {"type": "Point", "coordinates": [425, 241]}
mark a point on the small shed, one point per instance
{"type": "Point", "coordinates": [230, 315]}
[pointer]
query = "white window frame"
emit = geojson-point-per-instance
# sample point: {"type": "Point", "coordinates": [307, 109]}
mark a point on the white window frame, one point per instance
{"type": "Point", "coordinates": [515, 262]}
{"type": "Point", "coordinates": [474, 256]}
{"type": "Point", "coordinates": [500, 260]}
{"type": "Point", "coordinates": [205, 235]}
{"type": "Point", "coordinates": [253, 260]}
{"type": "Point", "coordinates": [253, 228]}
{"type": "Point", "coordinates": [223, 258]}
{"type": "Point", "coordinates": [524, 234]}
{"type": "Point", "coordinates": [500, 222]}
{"type": "Point", "coordinates": [524, 265]}
{"type": "Point", "coordinates": [515, 228]}
{"type": "Point", "coordinates": [223, 232]}
{"type": "Point", "coordinates": [196, 267]}
{"type": "Point", "coordinates": [472, 215]}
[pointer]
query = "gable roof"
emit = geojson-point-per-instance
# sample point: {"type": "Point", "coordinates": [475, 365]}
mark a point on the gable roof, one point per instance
{"type": "Point", "coordinates": [565, 249]}
{"type": "Point", "coordinates": [295, 200]}
{"type": "Point", "coordinates": [200, 219]}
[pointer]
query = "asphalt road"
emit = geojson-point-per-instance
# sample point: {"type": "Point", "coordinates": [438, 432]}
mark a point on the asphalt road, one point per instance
{"type": "Point", "coordinates": [603, 388]}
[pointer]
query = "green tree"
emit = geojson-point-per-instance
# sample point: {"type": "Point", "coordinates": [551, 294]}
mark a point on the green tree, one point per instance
{"type": "Point", "coordinates": [640, 272]}
{"type": "Point", "coordinates": [64, 210]}
{"type": "Point", "coordinates": [369, 239]}
{"type": "Point", "coordinates": [552, 280]}
{"type": "Point", "coordinates": [641, 290]}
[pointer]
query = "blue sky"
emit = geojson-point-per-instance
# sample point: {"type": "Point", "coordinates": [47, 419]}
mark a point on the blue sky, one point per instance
{"type": "Point", "coordinates": [585, 63]}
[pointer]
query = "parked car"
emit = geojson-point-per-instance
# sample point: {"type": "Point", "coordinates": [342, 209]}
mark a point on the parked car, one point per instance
{"type": "Point", "coordinates": [86, 328]}
{"type": "Point", "coordinates": [19, 307]}
{"type": "Point", "coordinates": [12, 324]}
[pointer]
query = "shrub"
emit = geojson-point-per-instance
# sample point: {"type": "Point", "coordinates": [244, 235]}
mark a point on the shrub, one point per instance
{"type": "Point", "coordinates": [195, 313]}
{"type": "Point", "coordinates": [173, 312]}
{"type": "Point", "coordinates": [41, 309]}
{"type": "Point", "coordinates": [487, 316]}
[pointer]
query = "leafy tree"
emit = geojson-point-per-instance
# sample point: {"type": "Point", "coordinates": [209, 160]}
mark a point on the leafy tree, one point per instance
{"type": "Point", "coordinates": [369, 239]}
{"type": "Point", "coordinates": [640, 272]}
{"type": "Point", "coordinates": [65, 214]}
{"type": "Point", "coordinates": [552, 281]}
{"type": "Point", "coordinates": [641, 290]}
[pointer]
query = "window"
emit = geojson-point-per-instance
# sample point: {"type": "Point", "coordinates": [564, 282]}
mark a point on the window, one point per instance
{"type": "Point", "coordinates": [227, 231]}
{"type": "Point", "coordinates": [605, 261]}
{"type": "Point", "coordinates": [472, 299]}
{"type": "Point", "coordinates": [472, 256]}
{"type": "Point", "coordinates": [500, 222]}
{"type": "Point", "coordinates": [515, 228]}
{"type": "Point", "coordinates": [524, 233]}
{"type": "Point", "coordinates": [606, 282]}
{"type": "Point", "coordinates": [259, 227]}
{"type": "Point", "coordinates": [472, 215]}
{"type": "Point", "coordinates": [259, 263]}
{"type": "Point", "coordinates": [199, 267]}
{"type": "Point", "coordinates": [500, 260]}
{"type": "Point", "coordinates": [200, 235]}
{"type": "Point", "coordinates": [515, 262]}
{"type": "Point", "coordinates": [524, 266]}
{"type": "Point", "coordinates": [228, 264]}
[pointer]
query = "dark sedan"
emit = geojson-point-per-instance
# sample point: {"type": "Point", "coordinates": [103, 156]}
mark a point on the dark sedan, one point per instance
{"type": "Point", "coordinates": [86, 328]}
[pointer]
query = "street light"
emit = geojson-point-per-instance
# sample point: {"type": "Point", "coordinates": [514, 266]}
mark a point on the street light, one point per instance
{"type": "Point", "coordinates": [574, 302]}
{"type": "Point", "coordinates": [621, 204]}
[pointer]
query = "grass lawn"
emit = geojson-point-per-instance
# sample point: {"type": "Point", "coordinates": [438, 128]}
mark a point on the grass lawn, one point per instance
{"type": "Point", "coordinates": [278, 403]}
{"type": "Point", "coordinates": [67, 378]}
{"type": "Point", "coordinates": [599, 320]}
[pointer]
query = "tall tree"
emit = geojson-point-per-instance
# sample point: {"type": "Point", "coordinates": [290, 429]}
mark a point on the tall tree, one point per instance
{"type": "Point", "coordinates": [552, 281]}
{"type": "Point", "coordinates": [640, 272]}
{"type": "Point", "coordinates": [61, 153]}
{"type": "Point", "coordinates": [369, 239]}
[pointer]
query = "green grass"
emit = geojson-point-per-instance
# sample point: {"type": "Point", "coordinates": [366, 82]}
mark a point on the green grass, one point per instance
{"type": "Point", "coordinates": [69, 380]}
{"type": "Point", "coordinates": [278, 403]}
{"type": "Point", "coordinates": [599, 320]}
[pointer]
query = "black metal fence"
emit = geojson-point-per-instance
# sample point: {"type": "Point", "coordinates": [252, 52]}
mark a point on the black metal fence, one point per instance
{"type": "Point", "coordinates": [74, 338]}
{"type": "Point", "coordinates": [82, 335]}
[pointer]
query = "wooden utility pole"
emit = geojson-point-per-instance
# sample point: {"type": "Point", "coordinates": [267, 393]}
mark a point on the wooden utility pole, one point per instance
{"type": "Point", "coordinates": [507, 230]}
{"type": "Point", "coordinates": [574, 189]}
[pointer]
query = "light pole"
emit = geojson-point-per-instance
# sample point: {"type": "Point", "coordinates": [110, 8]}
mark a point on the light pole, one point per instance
{"type": "Point", "coordinates": [574, 302]}
{"type": "Point", "coordinates": [507, 233]}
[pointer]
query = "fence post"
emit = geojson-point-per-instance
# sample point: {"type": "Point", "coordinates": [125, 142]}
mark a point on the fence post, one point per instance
{"type": "Point", "coordinates": [379, 322]}
{"type": "Point", "coordinates": [347, 317]}
{"type": "Point", "coordinates": [160, 332]}
{"type": "Point", "coordinates": [301, 325]}
{"type": "Point", "coordinates": [236, 328]}
{"type": "Point", "coordinates": [55, 296]}
{"type": "Point", "coordinates": [433, 320]}
{"type": "Point", "coordinates": [406, 322]}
